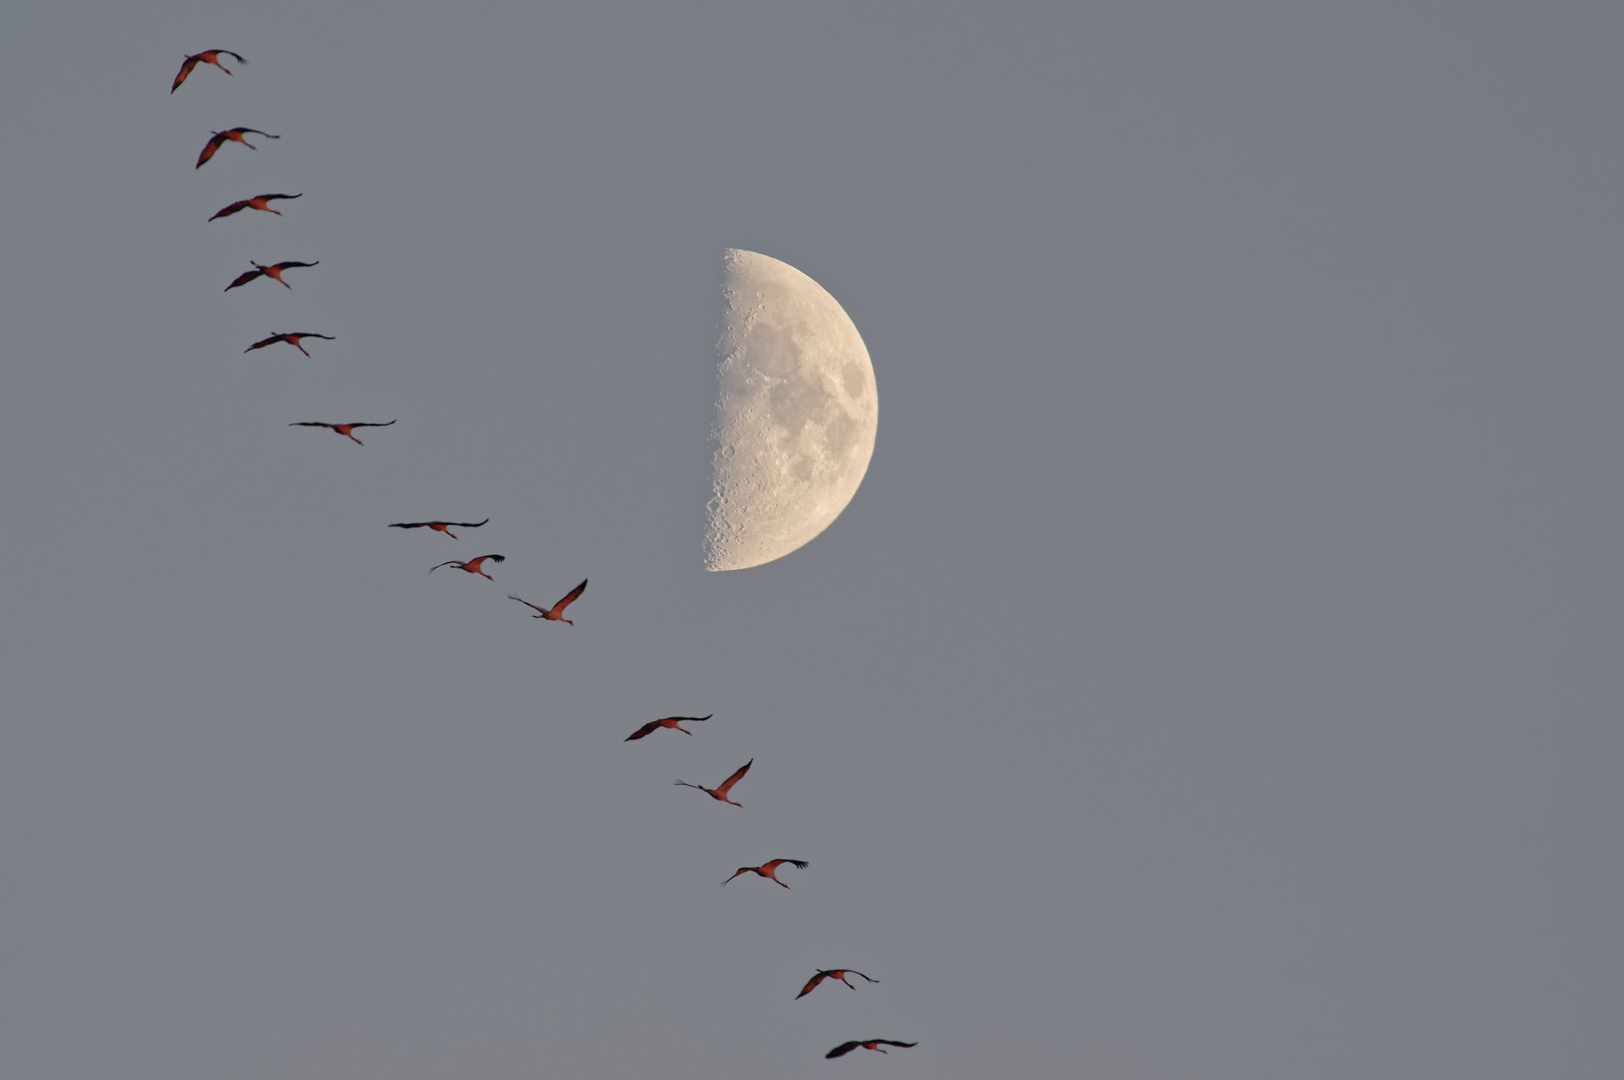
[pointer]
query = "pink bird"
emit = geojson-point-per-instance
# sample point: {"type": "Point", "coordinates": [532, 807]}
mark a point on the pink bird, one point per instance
{"type": "Point", "coordinates": [258, 202]}
{"type": "Point", "coordinates": [720, 793]}
{"type": "Point", "coordinates": [866, 1044]}
{"type": "Point", "coordinates": [234, 135]}
{"type": "Point", "coordinates": [342, 429]}
{"type": "Point", "coordinates": [833, 973]}
{"type": "Point", "coordinates": [273, 272]}
{"type": "Point", "coordinates": [556, 612]}
{"type": "Point", "coordinates": [472, 565]}
{"type": "Point", "coordinates": [766, 870]}
{"type": "Point", "coordinates": [291, 339]}
{"type": "Point", "coordinates": [440, 526]}
{"type": "Point", "coordinates": [671, 722]}
{"type": "Point", "coordinates": [207, 56]}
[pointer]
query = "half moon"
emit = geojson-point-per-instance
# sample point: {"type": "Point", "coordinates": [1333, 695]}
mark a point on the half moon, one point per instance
{"type": "Point", "coordinates": [796, 412]}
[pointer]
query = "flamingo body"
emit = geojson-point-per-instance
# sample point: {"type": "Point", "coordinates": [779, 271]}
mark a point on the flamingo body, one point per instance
{"type": "Point", "coordinates": [832, 973]}
{"type": "Point", "coordinates": [472, 565]}
{"type": "Point", "coordinates": [671, 722]}
{"type": "Point", "coordinates": [866, 1044]}
{"type": "Point", "coordinates": [261, 270]}
{"type": "Point", "coordinates": [258, 202]}
{"type": "Point", "coordinates": [556, 612]}
{"type": "Point", "coordinates": [719, 793]}
{"type": "Point", "coordinates": [207, 56]}
{"type": "Point", "coordinates": [766, 870]}
{"type": "Point", "coordinates": [439, 526]}
{"type": "Point", "coordinates": [220, 138]}
{"type": "Point", "coordinates": [342, 429]}
{"type": "Point", "coordinates": [291, 339]}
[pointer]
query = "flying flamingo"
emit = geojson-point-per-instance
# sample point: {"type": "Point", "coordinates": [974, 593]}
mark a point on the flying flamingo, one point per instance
{"type": "Point", "coordinates": [866, 1044]}
{"type": "Point", "coordinates": [342, 429]}
{"type": "Point", "coordinates": [720, 793]}
{"type": "Point", "coordinates": [472, 565]}
{"type": "Point", "coordinates": [670, 722]}
{"type": "Point", "coordinates": [262, 270]}
{"type": "Point", "coordinates": [291, 339]}
{"type": "Point", "coordinates": [440, 526]}
{"type": "Point", "coordinates": [556, 612]}
{"type": "Point", "coordinates": [235, 135]}
{"type": "Point", "coordinates": [833, 973]}
{"type": "Point", "coordinates": [766, 870]}
{"type": "Point", "coordinates": [207, 56]}
{"type": "Point", "coordinates": [256, 203]}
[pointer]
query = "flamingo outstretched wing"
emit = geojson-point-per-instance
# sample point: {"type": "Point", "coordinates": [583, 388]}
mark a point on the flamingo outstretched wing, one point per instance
{"type": "Point", "coordinates": [244, 278]}
{"type": "Point", "coordinates": [727, 784]}
{"type": "Point", "coordinates": [185, 70]}
{"type": "Point", "coordinates": [812, 984]}
{"type": "Point", "coordinates": [574, 594]}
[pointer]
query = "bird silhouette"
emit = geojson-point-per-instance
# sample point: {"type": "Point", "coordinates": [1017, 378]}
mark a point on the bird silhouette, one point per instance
{"type": "Point", "coordinates": [256, 203]}
{"type": "Point", "coordinates": [291, 339]}
{"type": "Point", "coordinates": [235, 135]}
{"type": "Point", "coordinates": [261, 270]}
{"type": "Point", "coordinates": [472, 565]}
{"type": "Point", "coordinates": [669, 722]}
{"type": "Point", "coordinates": [720, 793]}
{"type": "Point", "coordinates": [439, 526]}
{"type": "Point", "coordinates": [866, 1044]}
{"type": "Point", "coordinates": [207, 56]}
{"type": "Point", "coordinates": [832, 973]}
{"type": "Point", "coordinates": [342, 429]}
{"type": "Point", "coordinates": [556, 612]}
{"type": "Point", "coordinates": [766, 869]}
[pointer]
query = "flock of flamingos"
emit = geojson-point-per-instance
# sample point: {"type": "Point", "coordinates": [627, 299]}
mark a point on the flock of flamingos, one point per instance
{"type": "Point", "coordinates": [555, 613]}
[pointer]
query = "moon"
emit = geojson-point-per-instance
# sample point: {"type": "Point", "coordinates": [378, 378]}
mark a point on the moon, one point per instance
{"type": "Point", "coordinates": [796, 413]}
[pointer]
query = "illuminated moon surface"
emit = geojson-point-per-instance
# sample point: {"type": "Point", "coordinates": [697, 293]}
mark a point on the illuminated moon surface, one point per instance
{"type": "Point", "coordinates": [796, 412]}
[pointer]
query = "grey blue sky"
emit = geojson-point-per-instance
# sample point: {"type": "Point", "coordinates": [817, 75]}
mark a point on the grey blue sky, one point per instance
{"type": "Point", "coordinates": [1216, 677]}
